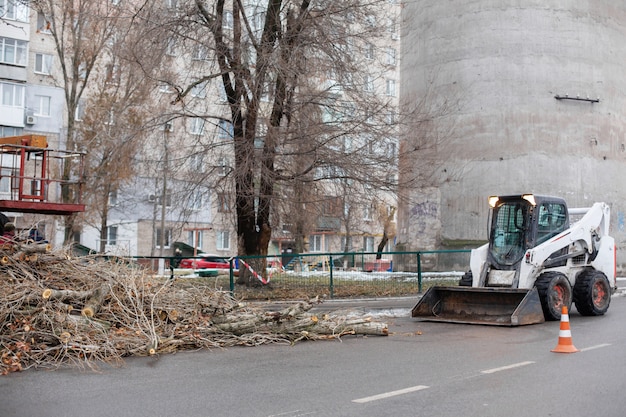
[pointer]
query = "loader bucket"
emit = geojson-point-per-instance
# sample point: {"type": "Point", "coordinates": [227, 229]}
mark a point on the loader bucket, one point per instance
{"type": "Point", "coordinates": [492, 306]}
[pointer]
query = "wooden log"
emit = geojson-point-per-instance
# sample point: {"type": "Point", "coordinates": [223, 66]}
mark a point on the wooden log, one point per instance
{"type": "Point", "coordinates": [353, 327]}
{"type": "Point", "coordinates": [289, 312]}
{"type": "Point", "coordinates": [64, 295]}
{"type": "Point", "coordinates": [235, 318]}
{"type": "Point", "coordinates": [86, 322]}
{"type": "Point", "coordinates": [240, 327]}
{"type": "Point", "coordinates": [34, 248]}
{"type": "Point", "coordinates": [94, 303]}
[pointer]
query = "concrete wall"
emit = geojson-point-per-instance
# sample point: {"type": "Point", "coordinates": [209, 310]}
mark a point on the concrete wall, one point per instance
{"type": "Point", "coordinates": [501, 63]}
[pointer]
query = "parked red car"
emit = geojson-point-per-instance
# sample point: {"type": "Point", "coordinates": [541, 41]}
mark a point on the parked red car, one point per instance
{"type": "Point", "coordinates": [206, 262]}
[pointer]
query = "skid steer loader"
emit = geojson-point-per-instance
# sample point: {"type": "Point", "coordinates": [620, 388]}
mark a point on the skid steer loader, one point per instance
{"type": "Point", "coordinates": [535, 263]}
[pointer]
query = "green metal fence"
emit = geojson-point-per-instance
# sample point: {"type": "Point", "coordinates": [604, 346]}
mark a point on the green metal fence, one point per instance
{"type": "Point", "coordinates": [333, 275]}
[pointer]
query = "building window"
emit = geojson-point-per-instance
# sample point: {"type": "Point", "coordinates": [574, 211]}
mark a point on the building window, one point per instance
{"type": "Point", "coordinates": [225, 130]}
{"type": "Point", "coordinates": [82, 71]}
{"type": "Point", "coordinates": [223, 167]}
{"type": "Point", "coordinates": [12, 94]}
{"type": "Point", "coordinates": [199, 90]}
{"type": "Point", "coordinates": [200, 53]}
{"type": "Point", "coordinates": [111, 235]}
{"type": "Point", "coordinates": [392, 149]}
{"type": "Point", "coordinates": [223, 240]}
{"type": "Point", "coordinates": [367, 213]}
{"type": "Point", "coordinates": [196, 162]}
{"type": "Point", "coordinates": [368, 243]}
{"type": "Point", "coordinates": [315, 243]}
{"type": "Point", "coordinates": [13, 51]}
{"type": "Point", "coordinates": [369, 84]}
{"type": "Point", "coordinates": [80, 110]}
{"type": "Point", "coordinates": [113, 73]}
{"type": "Point", "coordinates": [196, 125]}
{"type": "Point", "coordinates": [159, 235]}
{"type": "Point", "coordinates": [165, 88]}
{"type": "Point", "coordinates": [222, 93]}
{"type": "Point", "coordinates": [43, 64]}
{"type": "Point", "coordinates": [14, 10]}
{"type": "Point", "coordinates": [168, 199]}
{"type": "Point", "coordinates": [261, 134]}
{"type": "Point", "coordinates": [170, 46]}
{"type": "Point", "coordinates": [196, 200]}
{"type": "Point", "coordinates": [392, 27]}
{"type": "Point", "coordinates": [195, 238]}
{"type": "Point", "coordinates": [228, 20]}
{"type": "Point", "coordinates": [391, 56]}
{"type": "Point", "coordinates": [8, 175]}
{"type": "Point", "coordinates": [223, 203]}
{"type": "Point", "coordinates": [112, 198]}
{"type": "Point", "coordinates": [43, 24]}
{"type": "Point", "coordinates": [332, 206]}
{"type": "Point", "coordinates": [42, 106]}
{"type": "Point", "coordinates": [259, 20]}
{"type": "Point", "coordinates": [369, 51]}
{"type": "Point", "coordinates": [110, 121]}
{"type": "Point", "coordinates": [10, 131]}
{"type": "Point", "coordinates": [391, 88]}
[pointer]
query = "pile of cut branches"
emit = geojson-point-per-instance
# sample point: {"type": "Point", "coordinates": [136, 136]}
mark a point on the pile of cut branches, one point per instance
{"type": "Point", "coordinates": [58, 309]}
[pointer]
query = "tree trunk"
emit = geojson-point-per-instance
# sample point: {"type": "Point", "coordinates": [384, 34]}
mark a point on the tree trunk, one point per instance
{"type": "Point", "coordinates": [381, 245]}
{"type": "Point", "coordinates": [103, 223]}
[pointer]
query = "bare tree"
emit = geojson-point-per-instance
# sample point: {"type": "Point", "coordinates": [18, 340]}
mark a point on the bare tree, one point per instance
{"type": "Point", "coordinates": [299, 99]}
{"type": "Point", "coordinates": [81, 30]}
{"type": "Point", "coordinates": [118, 117]}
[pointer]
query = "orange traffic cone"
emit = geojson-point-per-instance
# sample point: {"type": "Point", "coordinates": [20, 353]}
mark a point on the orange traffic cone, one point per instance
{"type": "Point", "coordinates": [565, 344]}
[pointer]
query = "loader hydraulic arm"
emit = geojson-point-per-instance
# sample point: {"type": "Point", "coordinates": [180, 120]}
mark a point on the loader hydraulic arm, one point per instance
{"type": "Point", "coordinates": [583, 235]}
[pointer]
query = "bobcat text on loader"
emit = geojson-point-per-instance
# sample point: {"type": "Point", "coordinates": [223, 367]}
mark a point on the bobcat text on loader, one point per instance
{"type": "Point", "coordinates": [535, 263]}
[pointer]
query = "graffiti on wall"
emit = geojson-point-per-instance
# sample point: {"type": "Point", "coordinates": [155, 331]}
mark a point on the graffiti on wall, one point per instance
{"type": "Point", "coordinates": [424, 216]}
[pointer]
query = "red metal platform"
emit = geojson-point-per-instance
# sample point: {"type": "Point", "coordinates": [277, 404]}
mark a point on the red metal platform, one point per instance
{"type": "Point", "coordinates": [40, 207]}
{"type": "Point", "coordinates": [27, 177]}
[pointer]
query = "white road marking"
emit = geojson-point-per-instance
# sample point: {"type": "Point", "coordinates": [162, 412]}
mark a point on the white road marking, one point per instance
{"type": "Point", "coordinates": [390, 394]}
{"type": "Point", "coordinates": [595, 347]}
{"type": "Point", "coordinates": [504, 368]}
{"type": "Point", "coordinates": [295, 413]}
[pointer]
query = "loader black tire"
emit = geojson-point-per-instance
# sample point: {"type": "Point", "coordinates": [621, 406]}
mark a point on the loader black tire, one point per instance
{"type": "Point", "coordinates": [592, 293]}
{"type": "Point", "coordinates": [466, 279]}
{"type": "Point", "coordinates": [555, 291]}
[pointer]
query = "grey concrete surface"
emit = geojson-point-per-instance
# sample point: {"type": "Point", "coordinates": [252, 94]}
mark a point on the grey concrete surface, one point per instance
{"type": "Point", "coordinates": [499, 70]}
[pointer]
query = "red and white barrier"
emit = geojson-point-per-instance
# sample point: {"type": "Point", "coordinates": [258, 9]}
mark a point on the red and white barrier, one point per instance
{"type": "Point", "coordinates": [253, 272]}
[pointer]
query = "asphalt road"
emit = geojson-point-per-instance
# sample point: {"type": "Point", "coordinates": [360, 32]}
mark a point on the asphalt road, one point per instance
{"type": "Point", "coordinates": [421, 369]}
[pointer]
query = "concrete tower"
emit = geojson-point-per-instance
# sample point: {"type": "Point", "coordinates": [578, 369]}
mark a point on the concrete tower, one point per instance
{"type": "Point", "coordinates": [538, 93]}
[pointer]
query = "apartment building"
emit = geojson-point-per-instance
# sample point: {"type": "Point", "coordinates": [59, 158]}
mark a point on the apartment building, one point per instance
{"type": "Point", "coordinates": [182, 192]}
{"type": "Point", "coordinates": [31, 100]}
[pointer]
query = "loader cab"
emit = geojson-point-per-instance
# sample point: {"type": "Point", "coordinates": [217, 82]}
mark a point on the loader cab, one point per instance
{"type": "Point", "coordinates": [521, 222]}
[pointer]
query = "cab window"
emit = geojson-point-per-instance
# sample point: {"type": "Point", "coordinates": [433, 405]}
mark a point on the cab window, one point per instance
{"type": "Point", "coordinates": [552, 221]}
